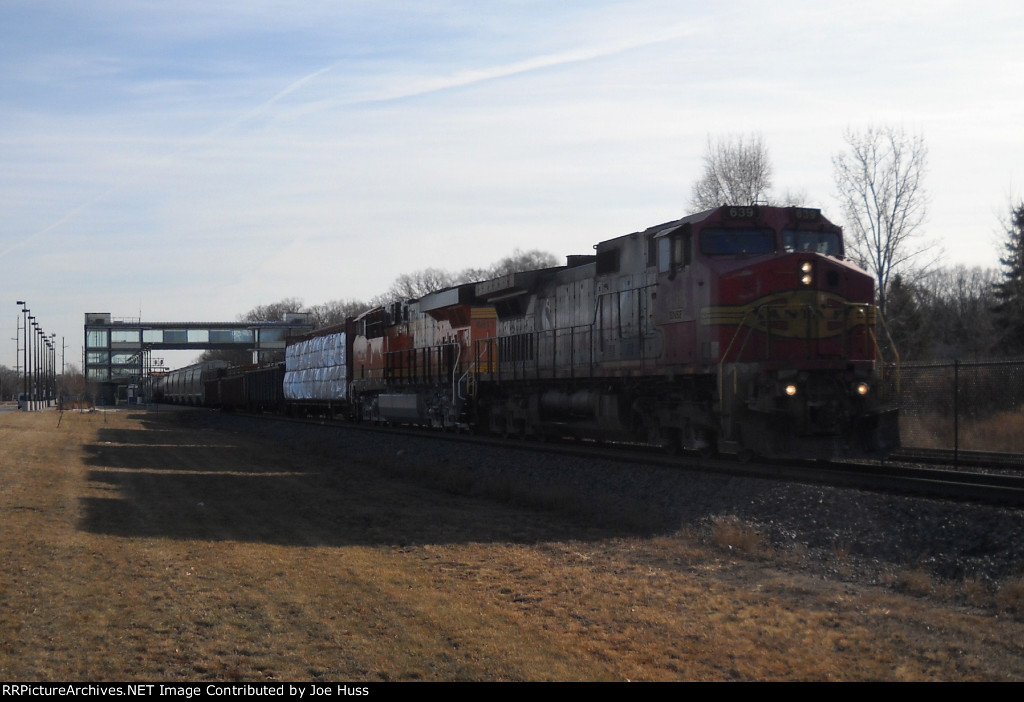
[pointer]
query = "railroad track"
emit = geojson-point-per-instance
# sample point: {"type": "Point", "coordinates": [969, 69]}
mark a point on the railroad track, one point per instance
{"type": "Point", "coordinates": [979, 459]}
{"type": "Point", "coordinates": [990, 487]}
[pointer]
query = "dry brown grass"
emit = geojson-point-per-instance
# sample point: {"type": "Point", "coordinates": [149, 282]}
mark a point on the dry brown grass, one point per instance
{"type": "Point", "coordinates": [1000, 432]}
{"type": "Point", "coordinates": [1011, 596]}
{"type": "Point", "coordinates": [733, 534]}
{"type": "Point", "coordinates": [914, 581]}
{"type": "Point", "coordinates": [146, 547]}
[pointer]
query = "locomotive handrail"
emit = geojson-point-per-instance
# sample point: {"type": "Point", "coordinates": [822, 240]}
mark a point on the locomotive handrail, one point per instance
{"type": "Point", "coordinates": [577, 336]}
{"type": "Point", "coordinates": [455, 371]}
{"type": "Point", "coordinates": [725, 354]}
{"type": "Point", "coordinates": [408, 372]}
{"type": "Point", "coordinates": [469, 376]}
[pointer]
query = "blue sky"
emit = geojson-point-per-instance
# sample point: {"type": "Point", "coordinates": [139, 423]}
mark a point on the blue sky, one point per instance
{"type": "Point", "coordinates": [193, 160]}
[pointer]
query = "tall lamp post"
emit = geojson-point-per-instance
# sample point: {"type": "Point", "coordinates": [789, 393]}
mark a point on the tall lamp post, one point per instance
{"type": "Point", "coordinates": [37, 365]}
{"type": "Point", "coordinates": [40, 368]}
{"type": "Point", "coordinates": [31, 362]}
{"type": "Point", "coordinates": [24, 349]}
{"type": "Point", "coordinates": [40, 362]}
{"type": "Point", "coordinates": [46, 370]}
{"type": "Point", "coordinates": [53, 368]}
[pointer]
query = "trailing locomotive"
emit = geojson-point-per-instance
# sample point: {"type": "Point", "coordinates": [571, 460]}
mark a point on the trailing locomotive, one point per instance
{"type": "Point", "coordinates": [738, 330]}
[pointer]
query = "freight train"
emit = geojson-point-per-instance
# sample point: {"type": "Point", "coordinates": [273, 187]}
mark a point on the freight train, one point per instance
{"type": "Point", "coordinates": [739, 330]}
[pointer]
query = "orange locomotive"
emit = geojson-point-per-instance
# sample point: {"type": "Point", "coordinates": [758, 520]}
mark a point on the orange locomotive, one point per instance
{"type": "Point", "coordinates": [416, 361]}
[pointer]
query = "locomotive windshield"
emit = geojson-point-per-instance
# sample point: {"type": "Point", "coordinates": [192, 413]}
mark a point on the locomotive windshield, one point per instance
{"type": "Point", "coordinates": [828, 243]}
{"type": "Point", "coordinates": [740, 240]}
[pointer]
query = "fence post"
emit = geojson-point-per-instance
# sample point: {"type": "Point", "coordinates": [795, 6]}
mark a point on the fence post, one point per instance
{"type": "Point", "coordinates": [956, 413]}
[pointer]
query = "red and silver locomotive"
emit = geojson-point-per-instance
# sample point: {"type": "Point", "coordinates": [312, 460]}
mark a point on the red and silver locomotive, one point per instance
{"type": "Point", "coordinates": [737, 330]}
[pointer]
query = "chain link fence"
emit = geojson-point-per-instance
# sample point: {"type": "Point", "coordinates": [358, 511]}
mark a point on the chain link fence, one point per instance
{"type": "Point", "coordinates": [965, 406]}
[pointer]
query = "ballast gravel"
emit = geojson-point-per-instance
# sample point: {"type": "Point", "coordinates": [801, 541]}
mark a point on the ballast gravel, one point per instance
{"type": "Point", "coordinates": [869, 535]}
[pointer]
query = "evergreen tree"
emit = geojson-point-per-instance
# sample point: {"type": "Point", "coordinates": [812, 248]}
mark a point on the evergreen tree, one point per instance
{"type": "Point", "coordinates": [905, 323]}
{"type": "Point", "coordinates": [1009, 292]}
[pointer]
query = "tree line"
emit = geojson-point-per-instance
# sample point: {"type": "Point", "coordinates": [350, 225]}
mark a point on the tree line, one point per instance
{"type": "Point", "coordinates": [69, 383]}
{"type": "Point", "coordinates": [407, 286]}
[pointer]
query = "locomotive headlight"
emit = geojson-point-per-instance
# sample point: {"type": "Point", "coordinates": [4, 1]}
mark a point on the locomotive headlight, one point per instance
{"type": "Point", "coordinates": [862, 389]}
{"type": "Point", "coordinates": [790, 390]}
{"type": "Point", "coordinates": [806, 272]}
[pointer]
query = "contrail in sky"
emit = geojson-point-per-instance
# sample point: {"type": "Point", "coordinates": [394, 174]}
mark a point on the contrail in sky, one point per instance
{"type": "Point", "coordinates": [416, 88]}
{"type": "Point", "coordinates": [462, 79]}
{"type": "Point", "coordinates": [191, 145]}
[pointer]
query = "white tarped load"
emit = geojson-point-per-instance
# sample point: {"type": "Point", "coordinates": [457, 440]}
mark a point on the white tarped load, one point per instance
{"type": "Point", "coordinates": [316, 369]}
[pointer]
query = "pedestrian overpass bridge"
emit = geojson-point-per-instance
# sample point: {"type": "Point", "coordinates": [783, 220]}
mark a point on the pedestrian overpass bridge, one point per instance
{"type": "Point", "coordinates": [118, 351]}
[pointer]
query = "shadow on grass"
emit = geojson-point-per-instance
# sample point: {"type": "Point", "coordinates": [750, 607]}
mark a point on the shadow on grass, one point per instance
{"type": "Point", "coordinates": [194, 476]}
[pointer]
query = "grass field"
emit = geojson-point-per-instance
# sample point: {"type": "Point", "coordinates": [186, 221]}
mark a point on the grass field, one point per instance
{"type": "Point", "coordinates": [146, 546]}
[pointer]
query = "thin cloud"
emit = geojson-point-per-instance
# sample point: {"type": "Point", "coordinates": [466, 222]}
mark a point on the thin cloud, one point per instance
{"type": "Point", "coordinates": [190, 145]}
{"type": "Point", "coordinates": [462, 79]}
{"type": "Point", "coordinates": [420, 88]}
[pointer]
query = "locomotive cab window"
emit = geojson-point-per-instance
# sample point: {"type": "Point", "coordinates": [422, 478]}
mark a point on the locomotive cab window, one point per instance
{"type": "Point", "coordinates": [607, 261]}
{"type": "Point", "coordinates": [828, 243]}
{"type": "Point", "coordinates": [737, 241]}
{"type": "Point", "coordinates": [681, 244]}
{"type": "Point", "coordinates": [674, 251]}
{"type": "Point", "coordinates": [664, 255]}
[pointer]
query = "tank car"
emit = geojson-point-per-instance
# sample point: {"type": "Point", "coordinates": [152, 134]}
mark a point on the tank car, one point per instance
{"type": "Point", "coordinates": [739, 329]}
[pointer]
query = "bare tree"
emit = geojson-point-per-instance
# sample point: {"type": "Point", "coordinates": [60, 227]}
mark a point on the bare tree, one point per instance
{"type": "Point", "coordinates": [72, 383]}
{"type": "Point", "coordinates": [410, 286]}
{"type": "Point", "coordinates": [957, 308]}
{"type": "Point", "coordinates": [737, 171]}
{"type": "Point", "coordinates": [273, 312]}
{"type": "Point", "coordinates": [10, 383]}
{"type": "Point", "coordinates": [881, 190]}
{"type": "Point", "coordinates": [333, 312]}
{"type": "Point", "coordinates": [520, 260]}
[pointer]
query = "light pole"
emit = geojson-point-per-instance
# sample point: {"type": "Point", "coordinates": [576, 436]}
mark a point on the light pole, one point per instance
{"type": "Point", "coordinates": [37, 365]}
{"type": "Point", "coordinates": [40, 367]}
{"type": "Point", "coordinates": [53, 368]}
{"type": "Point", "coordinates": [24, 350]}
{"type": "Point", "coordinates": [31, 362]}
{"type": "Point", "coordinates": [39, 361]}
{"type": "Point", "coordinates": [46, 370]}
